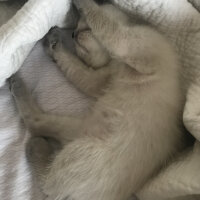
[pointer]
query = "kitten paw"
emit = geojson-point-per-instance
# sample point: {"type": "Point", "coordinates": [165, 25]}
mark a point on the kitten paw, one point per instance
{"type": "Point", "coordinates": [53, 41]}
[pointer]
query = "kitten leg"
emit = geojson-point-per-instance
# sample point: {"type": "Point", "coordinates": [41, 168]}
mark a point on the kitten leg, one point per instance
{"type": "Point", "coordinates": [38, 149]}
{"type": "Point", "coordinates": [40, 124]}
{"type": "Point", "coordinates": [40, 153]}
{"type": "Point", "coordinates": [90, 82]}
{"type": "Point", "coordinates": [49, 132]}
{"type": "Point", "coordinates": [87, 80]}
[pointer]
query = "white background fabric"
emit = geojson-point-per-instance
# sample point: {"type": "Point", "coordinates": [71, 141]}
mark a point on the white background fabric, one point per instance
{"type": "Point", "coordinates": [18, 36]}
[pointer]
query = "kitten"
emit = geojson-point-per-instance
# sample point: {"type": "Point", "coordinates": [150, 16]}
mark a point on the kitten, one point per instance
{"type": "Point", "coordinates": [135, 124]}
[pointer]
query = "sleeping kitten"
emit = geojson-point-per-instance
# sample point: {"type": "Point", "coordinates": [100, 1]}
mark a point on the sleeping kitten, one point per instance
{"type": "Point", "coordinates": [135, 124]}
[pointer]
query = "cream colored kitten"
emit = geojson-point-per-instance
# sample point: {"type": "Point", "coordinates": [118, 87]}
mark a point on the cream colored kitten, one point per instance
{"type": "Point", "coordinates": [135, 124]}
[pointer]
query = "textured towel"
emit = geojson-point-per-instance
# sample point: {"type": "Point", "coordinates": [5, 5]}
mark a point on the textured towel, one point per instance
{"type": "Point", "coordinates": [31, 23]}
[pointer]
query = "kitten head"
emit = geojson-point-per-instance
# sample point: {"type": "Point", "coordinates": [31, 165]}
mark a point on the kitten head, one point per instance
{"type": "Point", "coordinates": [88, 48]}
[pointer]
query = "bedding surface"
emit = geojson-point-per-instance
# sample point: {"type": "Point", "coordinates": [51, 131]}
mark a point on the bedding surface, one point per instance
{"type": "Point", "coordinates": [178, 20]}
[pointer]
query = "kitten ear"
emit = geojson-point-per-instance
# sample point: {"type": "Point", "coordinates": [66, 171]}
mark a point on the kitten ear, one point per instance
{"type": "Point", "coordinates": [125, 51]}
{"type": "Point", "coordinates": [142, 65]}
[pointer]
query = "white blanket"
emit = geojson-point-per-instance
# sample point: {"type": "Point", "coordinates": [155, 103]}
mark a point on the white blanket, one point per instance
{"type": "Point", "coordinates": [30, 24]}
{"type": "Point", "coordinates": [175, 18]}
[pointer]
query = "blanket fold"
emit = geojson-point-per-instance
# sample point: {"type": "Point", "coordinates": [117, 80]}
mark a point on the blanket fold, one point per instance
{"type": "Point", "coordinates": [30, 24]}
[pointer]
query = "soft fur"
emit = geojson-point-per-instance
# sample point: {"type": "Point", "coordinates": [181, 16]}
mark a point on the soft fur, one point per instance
{"type": "Point", "coordinates": [134, 126]}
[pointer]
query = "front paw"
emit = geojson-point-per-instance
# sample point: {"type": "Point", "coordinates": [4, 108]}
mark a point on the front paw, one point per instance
{"type": "Point", "coordinates": [53, 42]}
